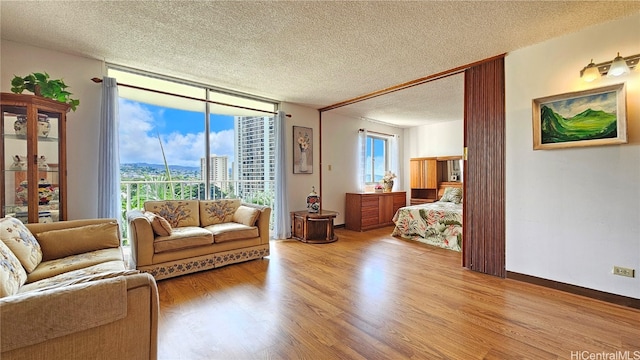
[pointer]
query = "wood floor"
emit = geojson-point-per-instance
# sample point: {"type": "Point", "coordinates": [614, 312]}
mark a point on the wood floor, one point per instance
{"type": "Point", "coordinates": [372, 296]}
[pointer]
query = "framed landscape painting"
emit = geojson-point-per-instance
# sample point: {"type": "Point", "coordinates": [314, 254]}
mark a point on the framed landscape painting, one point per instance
{"type": "Point", "coordinates": [582, 118]}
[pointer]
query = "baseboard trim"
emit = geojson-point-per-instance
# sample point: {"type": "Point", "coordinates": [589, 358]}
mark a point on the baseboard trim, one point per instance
{"type": "Point", "coordinates": [339, 226]}
{"type": "Point", "coordinates": [578, 290]}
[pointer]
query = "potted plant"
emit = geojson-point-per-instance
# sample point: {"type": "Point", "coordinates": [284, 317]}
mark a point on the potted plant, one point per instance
{"type": "Point", "coordinates": [42, 85]}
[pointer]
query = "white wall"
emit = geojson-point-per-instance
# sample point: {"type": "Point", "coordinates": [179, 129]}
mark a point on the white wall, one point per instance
{"type": "Point", "coordinates": [299, 185]}
{"type": "Point", "coordinates": [340, 151]}
{"type": "Point", "coordinates": [572, 214]}
{"type": "Point", "coordinates": [440, 139]}
{"type": "Point", "coordinates": [82, 125]}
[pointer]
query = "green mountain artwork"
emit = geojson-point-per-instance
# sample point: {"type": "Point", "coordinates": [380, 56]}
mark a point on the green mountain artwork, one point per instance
{"type": "Point", "coordinates": [587, 125]}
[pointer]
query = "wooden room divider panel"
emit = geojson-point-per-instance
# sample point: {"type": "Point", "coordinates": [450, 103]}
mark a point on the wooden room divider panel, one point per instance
{"type": "Point", "coordinates": [484, 191]}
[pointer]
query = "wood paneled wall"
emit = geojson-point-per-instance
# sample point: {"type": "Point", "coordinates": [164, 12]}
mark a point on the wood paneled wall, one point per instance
{"type": "Point", "coordinates": [484, 174]}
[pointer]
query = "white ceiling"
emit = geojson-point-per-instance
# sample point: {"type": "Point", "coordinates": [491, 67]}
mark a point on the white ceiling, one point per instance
{"type": "Point", "coordinates": [310, 53]}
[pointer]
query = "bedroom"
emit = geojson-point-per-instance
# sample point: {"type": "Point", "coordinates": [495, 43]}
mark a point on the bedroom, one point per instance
{"type": "Point", "coordinates": [603, 173]}
{"type": "Point", "coordinates": [536, 179]}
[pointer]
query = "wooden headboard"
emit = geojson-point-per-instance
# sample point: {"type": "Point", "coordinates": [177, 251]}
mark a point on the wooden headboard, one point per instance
{"type": "Point", "coordinates": [444, 185]}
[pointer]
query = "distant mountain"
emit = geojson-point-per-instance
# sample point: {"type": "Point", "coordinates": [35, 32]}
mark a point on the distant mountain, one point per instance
{"type": "Point", "coordinates": [587, 125]}
{"type": "Point", "coordinates": [134, 171]}
{"type": "Point", "coordinates": [159, 167]}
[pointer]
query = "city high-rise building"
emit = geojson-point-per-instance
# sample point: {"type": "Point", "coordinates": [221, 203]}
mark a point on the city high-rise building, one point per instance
{"type": "Point", "coordinates": [254, 167]}
{"type": "Point", "coordinates": [218, 171]}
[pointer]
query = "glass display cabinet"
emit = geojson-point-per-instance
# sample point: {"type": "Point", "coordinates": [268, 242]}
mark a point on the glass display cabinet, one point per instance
{"type": "Point", "coordinates": [33, 154]}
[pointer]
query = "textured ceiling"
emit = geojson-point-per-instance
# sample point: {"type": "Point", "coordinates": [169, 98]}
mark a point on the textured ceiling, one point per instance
{"type": "Point", "coordinates": [310, 53]}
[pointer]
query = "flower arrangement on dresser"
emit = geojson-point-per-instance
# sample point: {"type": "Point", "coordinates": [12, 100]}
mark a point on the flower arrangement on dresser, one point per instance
{"type": "Point", "coordinates": [387, 181]}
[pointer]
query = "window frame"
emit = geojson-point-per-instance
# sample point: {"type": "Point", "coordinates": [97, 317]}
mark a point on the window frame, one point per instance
{"type": "Point", "coordinates": [370, 144]}
{"type": "Point", "coordinates": [218, 95]}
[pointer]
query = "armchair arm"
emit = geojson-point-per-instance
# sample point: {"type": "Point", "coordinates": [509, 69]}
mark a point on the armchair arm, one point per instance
{"type": "Point", "coordinates": [109, 318]}
{"type": "Point", "coordinates": [141, 237]}
{"type": "Point", "coordinates": [263, 221]}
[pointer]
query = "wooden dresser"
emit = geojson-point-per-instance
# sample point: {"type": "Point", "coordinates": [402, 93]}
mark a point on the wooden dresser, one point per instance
{"type": "Point", "coordinates": [364, 211]}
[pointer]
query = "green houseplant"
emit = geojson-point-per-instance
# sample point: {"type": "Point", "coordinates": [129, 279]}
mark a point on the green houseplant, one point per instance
{"type": "Point", "coordinates": [42, 85]}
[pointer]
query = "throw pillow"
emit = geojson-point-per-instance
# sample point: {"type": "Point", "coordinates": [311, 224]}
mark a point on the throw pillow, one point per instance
{"type": "Point", "coordinates": [57, 244]}
{"type": "Point", "coordinates": [217, 211]}
{"type": "Point", "coordinates": [159, 224]}
{"type": "Point", "coordinates": [19, 239]}
{"type": "Point", "coordinates": [246, 215]}
{"type": "Point", "coordinates": [12, 274]}
{"type": "Point", "coordinates": [452, 194]}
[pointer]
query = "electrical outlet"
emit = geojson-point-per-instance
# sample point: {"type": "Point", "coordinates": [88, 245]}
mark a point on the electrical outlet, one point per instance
{"type": "Point", "coordinates": [622, 271]}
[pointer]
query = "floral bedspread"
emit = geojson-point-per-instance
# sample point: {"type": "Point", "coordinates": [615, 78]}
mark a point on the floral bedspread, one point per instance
{"type": "Point", "coordinates": [438, 224]}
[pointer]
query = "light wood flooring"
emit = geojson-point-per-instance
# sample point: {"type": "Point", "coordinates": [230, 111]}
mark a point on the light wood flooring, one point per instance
{"type": "Point", "coordinates": [372, 296]}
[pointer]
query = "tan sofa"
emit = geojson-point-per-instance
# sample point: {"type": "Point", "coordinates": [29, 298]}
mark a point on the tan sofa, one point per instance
{"type": "Point", "coordinates": [79, 300]}
{"type": "Point", "coordinates": [203, 234]}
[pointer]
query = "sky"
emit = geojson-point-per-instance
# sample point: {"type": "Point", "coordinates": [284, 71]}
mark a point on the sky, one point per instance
{"type": "Point", "coordinates": [182, 135]}
{"type": "Point", "coordinates": [568, 108]}
{"type": "Point", "coordinates": [181, 132]}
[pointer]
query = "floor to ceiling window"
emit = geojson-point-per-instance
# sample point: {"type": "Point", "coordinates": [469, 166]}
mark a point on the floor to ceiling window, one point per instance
{"type": "Point", "coordinates": [179, 146]}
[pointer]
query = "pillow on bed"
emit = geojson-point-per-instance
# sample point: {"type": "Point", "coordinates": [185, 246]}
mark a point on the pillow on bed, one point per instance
{"type": "Point", "coordinates": [452, 194]}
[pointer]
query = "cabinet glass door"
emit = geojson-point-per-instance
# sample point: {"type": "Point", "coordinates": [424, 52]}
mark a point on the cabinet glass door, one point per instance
{"type": "Point", "coordinates": [48, 168]}
{"type": "Point", "coordinates": [19, 165]}
{"type": "Point", "coordinates": [14, 144]}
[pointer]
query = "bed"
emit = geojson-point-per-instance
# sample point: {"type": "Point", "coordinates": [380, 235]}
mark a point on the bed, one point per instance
{"type": "Point", "coordinates": [438, 223]}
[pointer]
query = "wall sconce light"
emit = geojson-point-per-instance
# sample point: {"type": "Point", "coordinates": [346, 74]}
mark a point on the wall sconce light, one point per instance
{"type": "Point", "coordinates": [616, 67]}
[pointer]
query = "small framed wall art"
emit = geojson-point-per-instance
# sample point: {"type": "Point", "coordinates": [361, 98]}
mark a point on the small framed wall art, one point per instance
{"type": "Point", "coordinates": [582, 118]}
{"type": "Point", "coordinates": [302, 150]}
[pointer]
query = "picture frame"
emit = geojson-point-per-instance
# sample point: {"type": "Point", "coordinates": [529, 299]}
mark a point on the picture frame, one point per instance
{"type": "Point", "coordinates": [302, 150]}
{"type": "Point", "coordinates": [582, 118]}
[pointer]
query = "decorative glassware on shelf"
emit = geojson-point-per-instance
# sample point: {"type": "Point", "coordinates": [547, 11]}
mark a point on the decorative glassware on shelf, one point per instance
{"type": "Point", "coordinates": [45, 192]}
{"type": "Point", "coordinates": [313, 201]}
{"type": "Point", "coordinates": [19, 163]}
{"type": "Point", "coordinates": [44, 126]}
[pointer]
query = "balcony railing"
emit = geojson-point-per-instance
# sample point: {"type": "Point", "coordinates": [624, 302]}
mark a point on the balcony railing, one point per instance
{"type": "Point", "coordinates": [135, 193]}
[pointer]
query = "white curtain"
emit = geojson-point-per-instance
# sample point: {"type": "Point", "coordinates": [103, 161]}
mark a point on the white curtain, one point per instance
{"type": "Point", "coordinates": [282, 226]}
{"type": "Point", "coordinates": [109, 201]}
{"type": "Point", "coordinates": [394, 160]}
{"type": "Point", "coordinates": [362, 159]}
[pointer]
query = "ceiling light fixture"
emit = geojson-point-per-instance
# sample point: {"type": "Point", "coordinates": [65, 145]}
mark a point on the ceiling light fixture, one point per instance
{"type": "Point", "coordinates": [616, 67]}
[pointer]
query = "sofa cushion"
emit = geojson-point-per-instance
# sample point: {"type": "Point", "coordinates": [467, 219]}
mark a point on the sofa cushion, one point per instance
{"type": "Point", "coordinates": [177, 212]}
{"type": "Point", "coordinates": [232, 231]}
{"type": "Point", "coordinates": [12, 274]}
{"type": "Point", "coordinates": [246, 215]}
{"type": "Point", "coordinates": [182, 238]}
{"type": "Point", "coordinates": [217, 211]}
{"type": "Point", "coordinates": [109, 269]}
{"type": "Point", "coordinates": [159, 224]}
{"type": "Point", "coordinates": [21, 242]}
{"type": "Point", "coordinates": [51, 268]}
{"type": "Point", "coordinates": [61, 243]}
